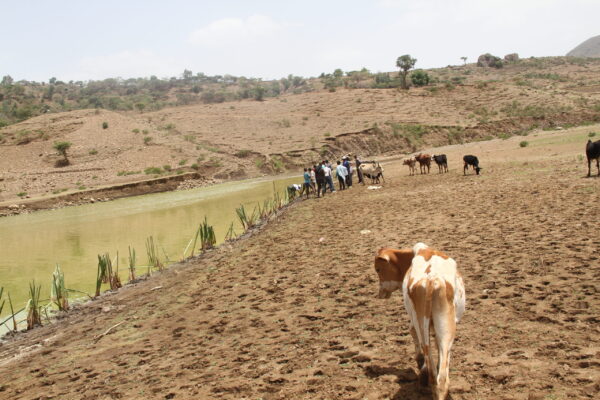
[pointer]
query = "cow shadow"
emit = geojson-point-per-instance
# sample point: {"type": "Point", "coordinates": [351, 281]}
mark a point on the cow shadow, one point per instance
{"type": "Point", "coordinates": [407, 378]}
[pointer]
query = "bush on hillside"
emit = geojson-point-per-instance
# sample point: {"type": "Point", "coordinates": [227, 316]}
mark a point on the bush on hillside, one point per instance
{"type": "Point", "coordinates": [419, 78]}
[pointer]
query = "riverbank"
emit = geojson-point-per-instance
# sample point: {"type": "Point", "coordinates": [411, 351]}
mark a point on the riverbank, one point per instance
{"type": "Point", "coordinates": [290, 312]}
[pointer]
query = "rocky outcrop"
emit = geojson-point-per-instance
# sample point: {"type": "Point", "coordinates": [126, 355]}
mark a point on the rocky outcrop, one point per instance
{"type": "Point", "coordinates": [489, 60]}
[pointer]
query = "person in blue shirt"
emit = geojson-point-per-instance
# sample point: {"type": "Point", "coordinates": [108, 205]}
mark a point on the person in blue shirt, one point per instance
{"type": "Point", "coordinates": [306, 187]}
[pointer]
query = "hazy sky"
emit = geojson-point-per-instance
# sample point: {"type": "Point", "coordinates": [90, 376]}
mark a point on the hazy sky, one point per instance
{"type": "Point", "coordinates": [83, 39]}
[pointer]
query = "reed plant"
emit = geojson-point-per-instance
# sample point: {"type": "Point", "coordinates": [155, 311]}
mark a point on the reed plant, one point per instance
{"type": "Point", "coordinates": [131, 264]}
{"type": "Point", "coordinates": [230, 235]}
{"type": "Point", "coordinates": [247, 220]}
{"type": "Point", "coordinates": [33, 306]}
{"type": "Point", "coordinates": [266, 209]}
{"type": "Point", "coordinates": [3, 301]}
{"type": "Point", "coordinates": [106, 274]}
{"type": "Point", "coordinates": [207, 236]}
{"type": "Point", "coordinates": [153, 257]}
{"type": "Point", "coordinates": [12, 312]}
{"type": "Point", "coordinates": [58, 290]}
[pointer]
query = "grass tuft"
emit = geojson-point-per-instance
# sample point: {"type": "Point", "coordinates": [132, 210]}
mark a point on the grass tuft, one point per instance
{"type": "Point", "coordinates": [58, 290]}
{"type": "Point", "coordinates": [33, 306]}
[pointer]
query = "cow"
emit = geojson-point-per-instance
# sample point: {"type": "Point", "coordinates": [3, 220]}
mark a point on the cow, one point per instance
{"type": "Point", "coordinates": [441, 161]}
{"type": "Point", "coordinates": [592, 151]}
{"type": "Point", "coordinates": [411, 166]}
{"type": "Point", "coordinates": [473, 161]}
{"type": "Point", "coordinates": [424, 161]}
{"type": "Point", "coordinates": [373, 172]}
{"type": "Point", "coordinates": [434, 297]}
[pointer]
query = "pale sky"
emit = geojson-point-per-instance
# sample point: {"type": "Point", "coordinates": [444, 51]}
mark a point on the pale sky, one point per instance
{"type": "Point", "coordinates": [83, 40]}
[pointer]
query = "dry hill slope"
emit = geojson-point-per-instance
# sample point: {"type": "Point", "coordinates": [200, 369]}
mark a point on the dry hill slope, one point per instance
{"type": "Point", "coordinates": [284, 315]}
{"type": "Point", "coordinates": [249, 138]}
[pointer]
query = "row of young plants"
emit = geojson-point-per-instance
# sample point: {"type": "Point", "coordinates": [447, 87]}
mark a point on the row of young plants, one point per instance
{"type": "Point", "coordinates": [107, 274]}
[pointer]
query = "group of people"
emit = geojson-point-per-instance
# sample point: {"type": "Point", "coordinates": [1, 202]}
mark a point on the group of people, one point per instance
{"type": "Point", "coordinates": [319, 178]}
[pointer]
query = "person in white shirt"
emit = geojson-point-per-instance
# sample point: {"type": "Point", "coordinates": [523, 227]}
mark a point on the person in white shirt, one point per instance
{"type": "Point", "coordinates": [342, 173]}
{"type": "Point", "coordinates": [328, 178]}
{"type": "Point", "coordinates": [313, 178]}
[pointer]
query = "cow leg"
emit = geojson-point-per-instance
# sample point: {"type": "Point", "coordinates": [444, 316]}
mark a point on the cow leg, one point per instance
{"type": "Point", "coordinates": [465, 169]}
{"type": "Point", "coordinates": [445, 328]}
{"type": "Point", "coordinates": [423, 374]}
{"type": "Point", "coordinates": [598, 165]}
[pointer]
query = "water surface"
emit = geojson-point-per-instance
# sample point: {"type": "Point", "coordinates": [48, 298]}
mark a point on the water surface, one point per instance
{"type": "Point", "coordinates": [32, 244]}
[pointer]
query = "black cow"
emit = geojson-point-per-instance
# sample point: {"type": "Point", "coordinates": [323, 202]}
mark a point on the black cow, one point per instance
{"type": "Point", "coordinates": [441, 161]}
{"type": "Point", "coordinates": [592, 151]}
{"type": "Point", "coordinates": [473, 161]}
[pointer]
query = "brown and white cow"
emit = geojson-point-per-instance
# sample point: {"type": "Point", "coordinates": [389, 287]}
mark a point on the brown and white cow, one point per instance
{"type": "Point", "coordinates": [411, 166]}
{"type": "Point", "coordinates": [434, 297]}
{"type": "Point", "coordinates": [424, 161]}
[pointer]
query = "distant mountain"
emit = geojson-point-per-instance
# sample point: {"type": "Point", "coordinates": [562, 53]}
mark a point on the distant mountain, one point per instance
{"type": "Point", "coordinates": [589, 48]}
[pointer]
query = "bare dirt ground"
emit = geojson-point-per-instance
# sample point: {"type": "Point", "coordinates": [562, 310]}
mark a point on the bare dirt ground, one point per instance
{"type": "Point", "coordinates": [286, 315]}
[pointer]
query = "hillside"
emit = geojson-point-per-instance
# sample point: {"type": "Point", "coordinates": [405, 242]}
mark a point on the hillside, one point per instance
{"type": "Point", "coordinates": [246, 138]}
{"type": "Point", "coordinates": [291, 313]}
{"type": "Point", "coordinates": [589, 48]}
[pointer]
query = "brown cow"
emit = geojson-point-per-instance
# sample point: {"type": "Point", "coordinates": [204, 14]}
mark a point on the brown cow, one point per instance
{"type": "Point", "coordinates": [411, 166]}
{"type": "Point", "coordinates": [424, 161]}
{"type": "Point", "coordinates": [434, 297]}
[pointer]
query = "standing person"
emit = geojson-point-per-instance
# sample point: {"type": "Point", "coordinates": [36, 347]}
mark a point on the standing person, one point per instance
{"type": "Point", "coordinates": [359, 174]}
{"type": "Point", "coordinates": [306, 186]}
{"type": "Point", "coordinates": [313, 178]}
{"type": "Point", "coordinates": [341, 173]}
{"type": "Point", "coordinates": [346, 164]}
{"type": "Point", "coordinates": [320, 175]}
{"type": "Point", "coordinates": [328, 178]}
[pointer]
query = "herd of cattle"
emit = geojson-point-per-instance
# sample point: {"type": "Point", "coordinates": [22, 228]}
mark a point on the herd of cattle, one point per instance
{"type": "Point", "coordinates": [432, 288]}
{"type": "Point", "coordinates": [441, 160]}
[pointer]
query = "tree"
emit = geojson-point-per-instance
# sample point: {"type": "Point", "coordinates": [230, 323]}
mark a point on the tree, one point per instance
{"type": "Point", "coordinates": [62, 148]}
{"type": "Point", "coordinates": [405, 63]}
{"type": "Point", "coordinates": [464, 60]}
{"type": "Point", "coordinates": [7, 80]}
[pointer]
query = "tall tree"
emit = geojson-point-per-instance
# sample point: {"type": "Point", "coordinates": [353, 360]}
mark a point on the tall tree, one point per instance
{"type": "Point", "coordinates": [405, 63]}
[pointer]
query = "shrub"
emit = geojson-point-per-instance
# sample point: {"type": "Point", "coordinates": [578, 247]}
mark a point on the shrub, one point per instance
{"type": "Point", "coordinates": [152, 170]}
{"type": "Point", "coordinates": [182, 162]}
{"type": "Point", "coordinates": [93, 152]}
{"type": "Point", "coordinates": [136, 130]}
{"type": "Point", "coordinates": [61, 148]}
{"type": "Point", "coordinates": [105, 125]}
{"type": "Point", "coordinates": [242, 153]}
{"type": "Point", "coordinates": [419, 78]}
{"type": "Point", "coordinates": [147, 140]}
{"type": "Point", "coordinates": [167, 167]}
{"type": "Point", "coordinates": [524, 143]}
{"type": "Point", "coordinates": [22, 194]}
{"type": "Point", "coordinates": [592, 134]}
{"type": "Point", "coordinates": [194, 166]}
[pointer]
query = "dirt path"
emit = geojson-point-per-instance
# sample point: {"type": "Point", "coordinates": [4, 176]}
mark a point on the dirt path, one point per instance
{"type": "Point", "coordinates": [284, 315]}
